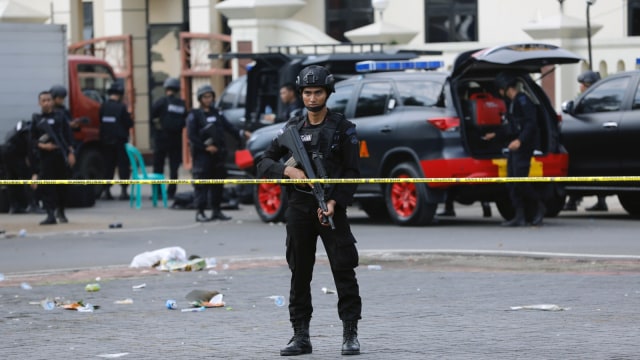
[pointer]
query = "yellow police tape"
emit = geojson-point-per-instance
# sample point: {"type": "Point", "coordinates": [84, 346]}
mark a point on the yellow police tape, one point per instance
{"type": "Point", "coordinates": [535, 179]}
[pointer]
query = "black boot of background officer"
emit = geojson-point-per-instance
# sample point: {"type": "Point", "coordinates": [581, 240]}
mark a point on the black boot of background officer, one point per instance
{"type": "Point", "coordinates": [61, 216]}
{"type": "Point", "coordinates": [350, 343]}
{"type": "Point", "coordinates": [50, 219]}
{"type": "Point", "coordinates": [300, 343]}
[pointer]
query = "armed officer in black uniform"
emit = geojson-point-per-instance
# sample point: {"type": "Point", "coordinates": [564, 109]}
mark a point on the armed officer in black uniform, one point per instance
{"type": "Point", "coordinates": [167, 121]}
{"type": "Point", "coordinates": [523, 137]}
{"type": "Point", "coordinates": [14, 154]}
{"type": "Point", "coordinates": [52, 156]}
{"type": "Point", "coordinates": [334, 138]}
{"type": "Point", "coordinates": [115, 123]}
{"type": "Point", "coordinates": [206, 128]}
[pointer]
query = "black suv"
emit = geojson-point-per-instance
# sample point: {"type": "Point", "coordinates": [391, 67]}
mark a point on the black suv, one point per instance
{"type": "Point", "coordinates": [600, 129]}
{"type": "Point", "coordinates": [419, 124]}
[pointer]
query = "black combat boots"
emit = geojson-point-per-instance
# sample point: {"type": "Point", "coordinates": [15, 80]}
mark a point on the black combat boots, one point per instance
{"type": "Point", "coordinates": [350, 344]}
{"type": "Point", "coordinates": [50, 220]}
{"type": "Point", "coordinates": [300, 343]}
{"type": "Point", "coordinates": [61, 216]}
{"type": "Point", "coordinates": [201, 217]}
{"type": "Point", "coordinates": [518, 219]}
{"type": "Point", "coordinates": [217, 214]}
{"type": "Point", "coordinates": [541, 210]}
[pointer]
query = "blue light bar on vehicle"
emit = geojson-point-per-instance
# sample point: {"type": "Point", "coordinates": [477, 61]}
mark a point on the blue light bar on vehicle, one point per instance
{"type": "Point", "coordinates": [370, 65]}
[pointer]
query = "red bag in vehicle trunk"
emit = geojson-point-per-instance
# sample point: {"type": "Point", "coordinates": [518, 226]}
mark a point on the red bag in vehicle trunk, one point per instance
{"type": "Point", "coordinates": [486, 109]}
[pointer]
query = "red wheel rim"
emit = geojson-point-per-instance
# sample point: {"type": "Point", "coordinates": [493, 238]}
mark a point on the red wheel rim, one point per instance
{"type": "Point", "coordinates": [403, 197]}
{"type": "Point", "coordinates": [269, 198]}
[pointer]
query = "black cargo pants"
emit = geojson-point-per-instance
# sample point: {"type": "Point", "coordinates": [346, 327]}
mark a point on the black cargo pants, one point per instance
{"type": "Point", "coordinates": [303, 229]}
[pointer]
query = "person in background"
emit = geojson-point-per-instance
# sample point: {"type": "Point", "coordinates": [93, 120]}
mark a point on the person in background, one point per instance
{"type": "Point", "coordinates": [334, 138]}
{"type": "Point", "coordinates": [52, 156]}
{"type": "Point", "coordinates": [292, 104]}
{"type": "Point", "coordinates": [585, 80]}
{"type": "Point", "coordinates": [522, 136]}
{"type": "Point", "coordinates": [59, 95]}
{"type": "Point", "coordinates": [167, 122]}
{"type": "Point", "coordinates": [205, 130]}
{"type": "Point", "coordinates": [115, 123]}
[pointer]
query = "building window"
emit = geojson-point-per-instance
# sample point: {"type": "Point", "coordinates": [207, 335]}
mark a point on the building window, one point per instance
{"type": "Point", "coordinates": [345, 15]}
{"type": "Point", "coordinates": [451, 20]}
{"type": "Point", "coordinates": [634, 17]}
{"type": "Point", "coordinates": [87, 18]}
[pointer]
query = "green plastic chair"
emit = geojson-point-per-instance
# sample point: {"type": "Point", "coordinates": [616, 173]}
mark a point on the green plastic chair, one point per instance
{"type": "Point", "coordinates": [139, 172]}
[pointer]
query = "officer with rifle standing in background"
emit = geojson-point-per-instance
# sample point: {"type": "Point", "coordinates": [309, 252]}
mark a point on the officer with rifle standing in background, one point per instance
{"type": "Point", "coordinates": [205, 129]}
{"type": "Point", "coordinates": [167, 121]}
{"type": "Point", "coordinates": [332, 138]}
{"type": "Point", "coordinates": [52, 156]}
{"type": "Point", "coordinates": [115, 123]}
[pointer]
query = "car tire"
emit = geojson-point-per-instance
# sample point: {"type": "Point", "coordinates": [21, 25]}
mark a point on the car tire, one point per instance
{"type": "Point", "coordinates": [90, 166]}
{"type": "Point", "coordinates": [407, 202]}
{"type": "Point", "coordinates": [375, 209]}
{"type": "Point", "coordinates": [630, 203]}
{"type": "Point", "coordinates": [270, 201]}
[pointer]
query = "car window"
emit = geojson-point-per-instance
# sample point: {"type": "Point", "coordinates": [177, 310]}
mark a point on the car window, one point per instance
{"type": "Point", "coordinates": [418, 93]}
{"type": "Point", "coordinates": [243, 94]}
{"type": "Point", "coordinates": [636, 100]}
{"type": "Point", "coordinates": [606, 96]}
{"type": "Point", "coordinates": [373, 99]}
{"type": "Point", "coordinates": [338, 101]}
{"type": "Point", "coordinates": [230, 95]}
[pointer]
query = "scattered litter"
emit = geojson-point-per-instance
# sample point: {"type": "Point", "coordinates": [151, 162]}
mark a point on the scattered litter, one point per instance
{"type": "Point", "coordinates": [115, 226]}
{"type": "Point", "coordinates": [138, 287]}
{"type": "Point", "coordinates": [197, 309]}
{"type": "Point", "coordinates": [153, 258]}
{"type": "Point", "coordinates": [189, 265]}
{"type": "Point", "coordinates": [1, 277]}
{"type": "Point", "coordinates": [25, 286]}
{"type": "Point", "coordinates": [278, 300]}
{"type": "Point", "coordinates": [98, 278]}
{"type": "Point", "coordinates": [22, 233]}
{"type": "Point", "coordinates": [328, 291]}
{"type": "Point", "coordinates": [543, 307]}
{"type": "Point", "coordinates": [205, 298]}
{"type": "Point", "coordinates": [92, 287]}
{"type": "Point", "coordinates": [213, 272]}
{"type": "Point", "coordinates": [80, 306]}
{"type": "Point", "coordinates": [374, 267]}
{"type": "Point", "coordinates": [112, 356]}
{"type": "Point", "coordinates": [171, 304]}
{"type": "Point", "coordinates": [86, 308]}
{"type": "Point", "coordinates": [126, 301]}
{"type": "Point", "coordinates": [48, 304]}
{"type": "Point", "coordinates": [211, 262]}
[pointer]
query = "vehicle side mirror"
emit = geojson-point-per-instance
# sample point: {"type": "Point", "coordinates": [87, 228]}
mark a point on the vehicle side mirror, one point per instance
{"type": "Point", "coordinates": [567, 107]}
{"type": "Point", "coordinates": [392, 104]}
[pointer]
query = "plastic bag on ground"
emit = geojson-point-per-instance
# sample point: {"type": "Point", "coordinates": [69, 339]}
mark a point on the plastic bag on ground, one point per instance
{"type": "Point", "coordinates": [152, 258]}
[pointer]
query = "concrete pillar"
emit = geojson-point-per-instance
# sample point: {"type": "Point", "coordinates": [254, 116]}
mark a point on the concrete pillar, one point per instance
{"type": "Point", "coordinates": [119, 17]}
{"type": "Point", "coordinates": [68, 12]}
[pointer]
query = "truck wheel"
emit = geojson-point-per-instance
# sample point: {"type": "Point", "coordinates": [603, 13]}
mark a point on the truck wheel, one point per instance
{"type": "Point", "coordinates": [375, 209]}
{"type": "Point", "coordinates": [407, 202]}
{"type": "Point", "coordinates": [91, 167]}
{"type": "Point", "coordinates": [630, 203]}
{"type": "Point", "coordinates": [270, 201]}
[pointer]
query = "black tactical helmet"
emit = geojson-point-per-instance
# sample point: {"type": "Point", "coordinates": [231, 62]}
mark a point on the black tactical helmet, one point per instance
{"type": "Point", "coordinates": [589, 77]}
{"type": "Point", "coordinates": [315, 75]}
{"type": "Point", "coordinates": [58, 91]}
{"type": "Point", "coordinates": [205, 89]}
{"type": "Point", "coordinates": [505, 79]}
{"type": "Point", "coordinates": [172, 83]}
{"type": "Point", "coordinates": [116, 88]}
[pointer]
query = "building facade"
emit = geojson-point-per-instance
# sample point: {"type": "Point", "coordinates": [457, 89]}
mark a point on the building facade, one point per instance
{"type": "Point", "coordinates": [158, 49]}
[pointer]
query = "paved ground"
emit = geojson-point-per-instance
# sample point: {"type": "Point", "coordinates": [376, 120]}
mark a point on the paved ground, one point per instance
{"type": "Point", "coordinates": [415, 307]}
{"type": "Point", "coordinates": [412, 310]}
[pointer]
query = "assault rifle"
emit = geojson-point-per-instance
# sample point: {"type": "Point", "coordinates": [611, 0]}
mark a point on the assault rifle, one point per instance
{"type": "Point", "coordinates": [44, 123]}
{"type": "Point", "coordinates": [290, 139]}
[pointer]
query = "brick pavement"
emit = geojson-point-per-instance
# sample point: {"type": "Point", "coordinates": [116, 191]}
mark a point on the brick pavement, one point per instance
{"type": "Point", "coordinates": [411, 310]}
